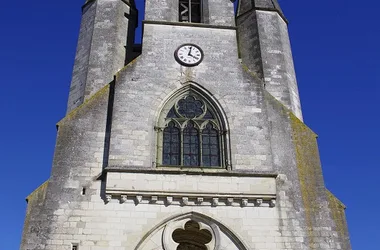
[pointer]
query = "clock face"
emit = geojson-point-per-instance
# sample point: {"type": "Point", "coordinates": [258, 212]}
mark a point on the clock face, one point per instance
{"type": "Point", "coordinates": [189, 55]}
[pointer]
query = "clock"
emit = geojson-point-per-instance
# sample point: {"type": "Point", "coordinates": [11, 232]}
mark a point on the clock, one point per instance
{"type": "Point", "coordinates": [189, 55]}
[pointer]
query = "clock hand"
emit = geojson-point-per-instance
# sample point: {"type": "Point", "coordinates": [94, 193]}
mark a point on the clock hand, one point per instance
{"type": "Point", "coordinates": [194, 56]}
{"type": "Point", "coordinates": [189, 54]}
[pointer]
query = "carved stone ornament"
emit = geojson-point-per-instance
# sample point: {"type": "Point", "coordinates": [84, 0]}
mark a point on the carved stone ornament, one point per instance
{"type": "Point", "coordinates": [185, 201]}
{"type": "Point", "coordinates": [138, 198]}
{"type": "Point", "coordinates": [123, 199]}
{"type": "Point", "coordinates": [230, 201]}
{"type": "Point", "coordinates": [215, 201]}
{"type": "Point", "coordinates": [108, 198]}
{"type": "Point", "coordinates": [169, 200]}
{"type": "Point", "coordinates": [199, 200]}
{"type": "Point", "coordinates": [259, 202]}
{"type": "Point", "coordinates": [272, 203]}
{"type": "Point", "coordinates": [154, 199]}
{"type": "Point", "coordinates": [244, 202]}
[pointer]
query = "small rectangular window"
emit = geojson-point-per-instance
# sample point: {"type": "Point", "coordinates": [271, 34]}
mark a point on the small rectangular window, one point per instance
{"type": "Point", "coordinates": [74, 247]}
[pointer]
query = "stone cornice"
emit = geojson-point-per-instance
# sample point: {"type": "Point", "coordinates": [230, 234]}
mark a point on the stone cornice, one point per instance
{"type": "Point", "coordinates": [199, 25]}
{"type": "Point", "coordinates": [189, 171]}
{"type": "Point", "coordinates": [191, 199]}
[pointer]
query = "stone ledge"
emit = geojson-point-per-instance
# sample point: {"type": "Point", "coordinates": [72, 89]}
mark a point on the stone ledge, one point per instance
{"type": "Point", "coordinates": [188, 171]}
{"type": "Point", "coordinates": [199, 25]}
{"type": "Point", "coordinates": [192, 199]}
{"type": "Point", "coordinates": [183, 189]}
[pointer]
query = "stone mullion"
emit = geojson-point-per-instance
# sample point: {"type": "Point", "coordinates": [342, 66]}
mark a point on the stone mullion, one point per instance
{"type": "Point", "coordinates": [181, 146]}
{"type": "Point", "coordinates": [200, 142]}
{"type": "Point", "coordinates": [160, 145]}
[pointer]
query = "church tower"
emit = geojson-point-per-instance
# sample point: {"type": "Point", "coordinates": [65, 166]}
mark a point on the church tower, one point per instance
{"type": "Point", "coordinates": [195, 141]}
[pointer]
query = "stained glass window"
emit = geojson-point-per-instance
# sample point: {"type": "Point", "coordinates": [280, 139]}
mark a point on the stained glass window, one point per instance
{"type": "Point", "coordinates": [189, 107]}
{"type": "Point", "coordinates": [171, 149]}
{"type": "Point", "coordinates": [190, 145]}
{"type": "Point", "coordinates": [210, 146]}
{"type": "Point", "coordinates": [192, 134]}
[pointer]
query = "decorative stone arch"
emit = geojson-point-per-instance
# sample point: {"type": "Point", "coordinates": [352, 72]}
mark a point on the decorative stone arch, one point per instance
{"type": "Point", "coordinates": [211, 116]}
{"type": "Point", "coordinates": [161, 237]}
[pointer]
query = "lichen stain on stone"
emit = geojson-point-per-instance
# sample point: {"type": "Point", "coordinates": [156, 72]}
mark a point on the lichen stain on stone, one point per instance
{"type": "Point", "coordinates": [337, 211]}
{"type": "Point", "coordinates": [130, 64]}
{"type": "Point", "coordinates": [90, 102]}
{"type": "Point", "coordinates": [309, 169]}
{"type": "Point", "coordinates": [253, 74]}
{"type": "Point", "coordinates": [36, 193]}
{"type": "Point", "coordinates": [37, 196]}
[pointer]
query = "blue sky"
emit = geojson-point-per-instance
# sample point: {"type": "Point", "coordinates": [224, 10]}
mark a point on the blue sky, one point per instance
{"type": "Point", "coordinates": [336, 52]}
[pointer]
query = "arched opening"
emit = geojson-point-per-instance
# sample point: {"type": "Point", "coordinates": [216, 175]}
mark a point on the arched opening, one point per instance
{"type": "Point", "coordinates": [190, 231]}
{"type": "Point", "coordinates": [190, 11]}
{"type": "Point", "coordinates": [192, 131]}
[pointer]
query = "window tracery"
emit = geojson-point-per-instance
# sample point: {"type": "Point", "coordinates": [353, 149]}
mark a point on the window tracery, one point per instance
{"type": "Point", "coordinates": [191, 134]}
{"type": "Point", "coordinates": [192, 237]}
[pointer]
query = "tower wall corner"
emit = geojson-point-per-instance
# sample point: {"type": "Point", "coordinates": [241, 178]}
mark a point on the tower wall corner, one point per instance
{"type": "Point", "coordinates": [265, 48]}
{"type": "Point", "coordinates": [105, 43]}
{"type": "Point", "coordinates": [31, 229]}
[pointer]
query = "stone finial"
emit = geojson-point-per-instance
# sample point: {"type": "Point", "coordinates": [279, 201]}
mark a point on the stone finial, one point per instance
{"type": "Point", "coordinates": [244, 202]}
{"type": "Point", "coordinates": [123, 199]}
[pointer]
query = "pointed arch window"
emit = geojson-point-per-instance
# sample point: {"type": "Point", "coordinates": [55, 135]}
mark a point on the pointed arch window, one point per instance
{"type": "Point", "coordinates": [191, 134]}
{"type": "Point", "coordinates": [190, 11]}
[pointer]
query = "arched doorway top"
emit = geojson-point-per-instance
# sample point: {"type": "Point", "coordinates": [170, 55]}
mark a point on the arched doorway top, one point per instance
{"type": "Point", "coordinates": [160, 236]}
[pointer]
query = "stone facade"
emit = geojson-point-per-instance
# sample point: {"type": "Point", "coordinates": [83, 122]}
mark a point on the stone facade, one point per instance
{"type": "Point", "coordinates": [110, 188]}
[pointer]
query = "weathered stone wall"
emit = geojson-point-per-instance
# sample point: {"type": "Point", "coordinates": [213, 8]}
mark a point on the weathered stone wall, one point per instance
{"type": "Point", "coordinates": [78, 81]}
{"type": "Point", "coordinates": [142, 89]}
{"type": "Point", "coordinates": [33, 232]}
{"type": "Point", "coordinates": [96, 221]}
{"type": "Point", "coordinates": [276, 55]}
{"type": "Point", "coordinates": [249, 43]}
{"type": "Point", "coordinates": [265, 49]}
{"type": "Point", "coordinates": [321, 220]}
{"type": "Point", "coordinates": [77, 165]}
{"type": "Point", "coordinates": [338, 215]}
{"type": "Point", "coordinates": [101, 49]}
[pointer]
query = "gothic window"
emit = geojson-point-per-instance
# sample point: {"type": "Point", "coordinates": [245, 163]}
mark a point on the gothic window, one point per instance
{"type": "Point", "coordinates": [190, 11]}
{"type": "Point", "coordinates": [191, 134]}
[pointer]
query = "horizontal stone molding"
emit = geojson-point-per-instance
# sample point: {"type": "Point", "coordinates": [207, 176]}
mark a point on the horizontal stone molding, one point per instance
{"type": "Point", "coordinates": [182, 189]}
{"type": "Point", "coordinates": [188, 200]}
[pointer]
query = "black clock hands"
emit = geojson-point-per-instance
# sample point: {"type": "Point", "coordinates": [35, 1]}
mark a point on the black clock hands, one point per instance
{"type": "Point", "coordinates": [194, 56]}
{"type": "Point", "coordinates": [189, 54]}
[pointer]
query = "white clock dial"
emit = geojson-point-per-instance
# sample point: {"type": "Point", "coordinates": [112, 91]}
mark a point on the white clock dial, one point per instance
{"type": "Point", "coordinates": [189, 55]}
